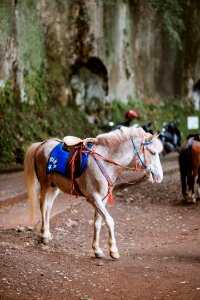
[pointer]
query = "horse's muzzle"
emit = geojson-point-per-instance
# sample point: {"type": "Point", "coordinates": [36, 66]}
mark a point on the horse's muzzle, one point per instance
{"type": "Point", "coordinates": [155, 178]}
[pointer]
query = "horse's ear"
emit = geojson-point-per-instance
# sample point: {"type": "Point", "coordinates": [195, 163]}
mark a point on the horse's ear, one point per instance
{"type": "Point", "coordinates": [154, 136]}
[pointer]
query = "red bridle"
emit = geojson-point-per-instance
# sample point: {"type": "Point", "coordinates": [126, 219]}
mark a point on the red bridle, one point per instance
{"type": "Point", "coordinates": [96, 157]}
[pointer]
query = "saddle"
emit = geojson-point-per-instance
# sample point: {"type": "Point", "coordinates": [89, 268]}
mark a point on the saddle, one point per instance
{"type": "Point", "coordinates": [75, 146]}
{"type": "Point", "coordinates": [74, 162]}
{"type": "Point", "coordinates": [69, 158]}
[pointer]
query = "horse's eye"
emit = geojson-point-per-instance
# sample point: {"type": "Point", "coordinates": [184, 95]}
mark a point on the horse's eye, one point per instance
{"type": "Point", "coordinates": [152, 152]}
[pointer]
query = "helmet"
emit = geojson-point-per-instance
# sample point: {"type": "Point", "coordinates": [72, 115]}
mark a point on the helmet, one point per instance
{"type": "Point", "coordinates": [131, 114]}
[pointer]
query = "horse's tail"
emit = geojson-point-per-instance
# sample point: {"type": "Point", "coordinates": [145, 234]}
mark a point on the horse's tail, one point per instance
{"type": "Point", "coordinates": [31, 181]}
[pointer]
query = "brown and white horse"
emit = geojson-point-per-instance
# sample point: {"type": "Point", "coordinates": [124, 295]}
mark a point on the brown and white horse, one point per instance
{"type": "Point", "coordinates": [189, 165]}
{"type": "Point", "coordinates": [115, 151]}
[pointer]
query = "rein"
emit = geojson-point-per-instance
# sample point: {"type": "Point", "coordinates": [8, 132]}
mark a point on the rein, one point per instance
{"type": "Point", "coordinates": [103, 170]}
{"type": "Point", "coordinates": [91, 151]}
{"type": "Point", "coordinates": [143, 144]}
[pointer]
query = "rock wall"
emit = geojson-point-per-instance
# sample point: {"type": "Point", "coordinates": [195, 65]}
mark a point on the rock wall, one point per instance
{"type": "Point", "coordinates": [21, 40]}
{"type": "Point", "coordinates": [90, 52]}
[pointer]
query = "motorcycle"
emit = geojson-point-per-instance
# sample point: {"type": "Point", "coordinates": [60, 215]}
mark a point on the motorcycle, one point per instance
{"type": "Point", "coordinates": [147, 127]}
{"type": "Point", "coordinates": [170, 137]}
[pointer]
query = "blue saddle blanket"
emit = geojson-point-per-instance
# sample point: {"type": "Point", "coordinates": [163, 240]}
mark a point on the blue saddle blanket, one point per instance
{"type": "Point", "coordinates": [59, 156]}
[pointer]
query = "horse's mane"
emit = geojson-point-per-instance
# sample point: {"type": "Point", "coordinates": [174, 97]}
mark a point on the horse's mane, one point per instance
{"type": "Point", "coordinates": [123, 134]}
{"type": "Point", "coordinates": [119, 135]}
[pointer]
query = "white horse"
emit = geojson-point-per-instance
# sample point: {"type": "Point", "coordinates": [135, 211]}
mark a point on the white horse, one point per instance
{"type": "Point", "coordinates": [109, 155]}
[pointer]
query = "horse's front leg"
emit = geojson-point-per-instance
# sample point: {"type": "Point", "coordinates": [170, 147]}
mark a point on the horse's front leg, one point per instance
{"type": "Point", "coordinates": [98, 203]}
{"type": "Point", "coordinates": [97, 228]}
{"type": "Point", "coordinates": [191, 195]}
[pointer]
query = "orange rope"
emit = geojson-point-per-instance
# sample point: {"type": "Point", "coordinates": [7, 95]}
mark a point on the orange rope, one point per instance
{"type": "Point", "coordinates": [135, 169]}
{"type": "Point", "coordinates": [73, 169]}
{"type": "Point", "coordinates": [112, 162]}
{"type": "Point", "coordinates": [133, 183]}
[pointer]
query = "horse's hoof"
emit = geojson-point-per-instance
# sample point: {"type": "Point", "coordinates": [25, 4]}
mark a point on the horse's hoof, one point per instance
{"type": "Point", "coordinates": [193, 199]}
{"type": "Point", "coordinates": [185, 198]}
{"type": "Point", "coordinates": [114, 255]}
{"type": "Point", "coordinates": [45, 240]}
{"type": "Point", "coordinates": [99, 255]}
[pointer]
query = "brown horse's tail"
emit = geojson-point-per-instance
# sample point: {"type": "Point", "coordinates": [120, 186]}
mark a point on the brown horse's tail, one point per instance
{"type": "Point", "coordinates": [31, 181]}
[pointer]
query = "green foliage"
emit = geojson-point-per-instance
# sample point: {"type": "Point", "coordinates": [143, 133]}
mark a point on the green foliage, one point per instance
{"type": "Point", "coordinates": [27, 124]}
{"type": "Point", "coordinates": [170, 13]}
{"type": "Point", "coordinates": [6, 96]}
{"type": "Point", "coordinates": [107, 2]}
{"type": "Point", "coordinates": [36, 88]}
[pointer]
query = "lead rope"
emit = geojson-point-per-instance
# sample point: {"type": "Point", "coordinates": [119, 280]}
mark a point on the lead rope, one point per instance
{"type": "Point", "coordinates": [103, 170]}
{"type": "Point", "coordinates": [133, 182]}
{"type": "Point", "coordinates": [136, 163]}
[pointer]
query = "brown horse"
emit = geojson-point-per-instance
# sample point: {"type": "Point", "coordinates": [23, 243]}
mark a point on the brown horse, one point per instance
{"type": "Point", "coordinates": [109, 154]}
{"type": "Point", "coordinates": [189, 165]}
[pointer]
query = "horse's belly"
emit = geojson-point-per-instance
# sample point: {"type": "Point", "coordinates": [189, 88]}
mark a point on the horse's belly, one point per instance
{"type": "Point", "coordinates": [62, 182]}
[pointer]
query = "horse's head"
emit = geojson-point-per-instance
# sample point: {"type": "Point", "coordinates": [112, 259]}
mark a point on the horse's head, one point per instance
{"type": "Point", "coordinates": [151, 148]}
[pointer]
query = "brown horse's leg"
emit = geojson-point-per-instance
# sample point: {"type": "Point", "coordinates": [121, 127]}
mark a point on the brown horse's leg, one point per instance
{"type": "Point", "coordinates": [183, 183]}
{"type": "Point", "coordinates": [183, 173]}
{"type": "Point", "coordinates": [198, 182]}
{"type": "Point", "coordinates": [191, 195]}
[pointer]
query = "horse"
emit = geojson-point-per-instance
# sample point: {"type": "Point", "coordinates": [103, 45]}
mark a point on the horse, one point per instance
{"type": "Point", "coordinates": [189, 166]}
{"type": "Point", "coordinates": [108, 155]}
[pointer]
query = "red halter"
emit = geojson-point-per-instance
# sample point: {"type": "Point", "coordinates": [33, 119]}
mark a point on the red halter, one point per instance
{"type": "Point", "coordinates": [103, 170]}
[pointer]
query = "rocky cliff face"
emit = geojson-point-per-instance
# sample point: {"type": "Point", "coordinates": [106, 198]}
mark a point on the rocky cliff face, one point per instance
{"type": "Point", "coordinates": [90, 52]}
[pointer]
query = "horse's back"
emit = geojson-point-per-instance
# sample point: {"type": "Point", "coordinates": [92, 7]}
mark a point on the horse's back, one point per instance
{"type": "Point", "coordinates": [196, 147]}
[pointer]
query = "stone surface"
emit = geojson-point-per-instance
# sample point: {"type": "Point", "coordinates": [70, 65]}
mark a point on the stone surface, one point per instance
{"type": "Point", "coordinates": [62, 37]}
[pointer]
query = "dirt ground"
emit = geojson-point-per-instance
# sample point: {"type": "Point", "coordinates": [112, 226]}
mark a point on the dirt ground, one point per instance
{"type": "Point", "coordinates": [158, 238]}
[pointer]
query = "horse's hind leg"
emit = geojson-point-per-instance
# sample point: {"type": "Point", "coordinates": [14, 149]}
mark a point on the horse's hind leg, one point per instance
{"type": "Point", "coordinates": [47, 198]}
{"type": "Point", "coordinates": [198, 182]}
{"type": "Point", "coordinates": [183, 174]}
{"type": "Point", "coordinates": [191, 195]}
{"type": "Point", "coordinates": [183, 184]}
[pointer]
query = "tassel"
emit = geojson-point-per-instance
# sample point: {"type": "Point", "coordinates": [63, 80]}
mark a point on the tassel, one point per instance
{"type": "Point", "coordinates": [110, 197]}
